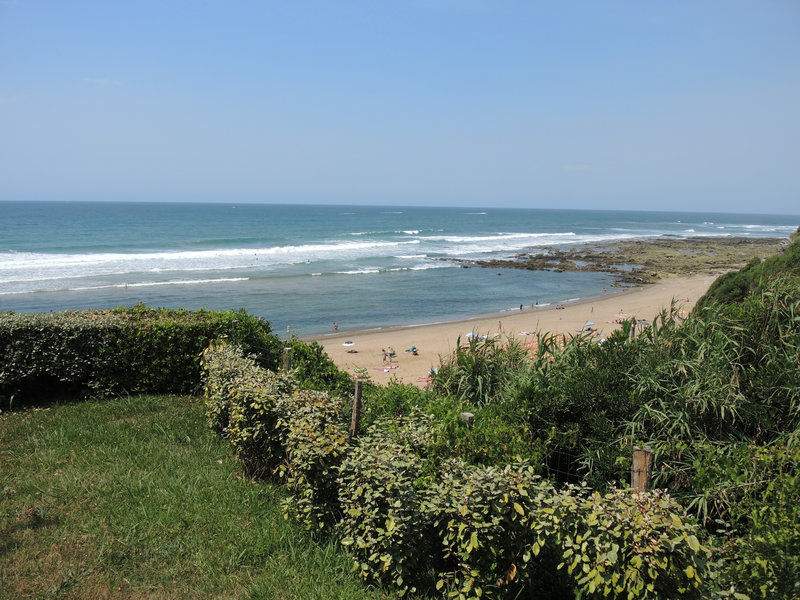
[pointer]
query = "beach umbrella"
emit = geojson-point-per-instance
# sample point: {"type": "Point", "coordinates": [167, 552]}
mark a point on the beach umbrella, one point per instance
{"type": "Point", "coordinates": [589, 323]}
{"type": "Point", "coordinates": [470, 334]}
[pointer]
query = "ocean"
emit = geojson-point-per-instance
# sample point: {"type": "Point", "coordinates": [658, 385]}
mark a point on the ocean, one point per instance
{"type": "Point", "coordinates": [307, 267]}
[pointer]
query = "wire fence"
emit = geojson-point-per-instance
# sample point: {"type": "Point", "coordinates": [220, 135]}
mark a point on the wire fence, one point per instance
{"type": "Point", "coordinates": [564, 467]}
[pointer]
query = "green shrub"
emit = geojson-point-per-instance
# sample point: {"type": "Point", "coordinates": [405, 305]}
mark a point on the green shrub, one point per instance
{"type": "Point", "coordinates": [380, 490]}
{"type": "Point", "coordinates": [626, 544]}
{"type": "Point", "coordinates": [725, 377]}
{"type": "Point", "coordinates": [313, 369]}
{"type": "Point", "coordinates": [393, 400]}
{"type": "Point", "coordinates": [485, 518]}
{"type": "Point", "coordinates": [757, 489]}
{"type": "Point", "coordinates": [255, 429]}
{"type": "Point", "coordinates": [315, 443]}
{"type": "Point", "coordinates": [126, 350]}
{"type": "Point", "coordinates": [572, 399]}
{"type": "Point", "coordinates": [497, 434]}
{"type": "Point", "coordinates": [225, 366]}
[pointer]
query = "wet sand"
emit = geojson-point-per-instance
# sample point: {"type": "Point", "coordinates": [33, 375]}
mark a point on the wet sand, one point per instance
{"type": "Point", "coordinates": [358, 350]}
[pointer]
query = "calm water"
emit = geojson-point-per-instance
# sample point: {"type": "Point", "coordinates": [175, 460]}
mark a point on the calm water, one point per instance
{"type": "Point", "coordinates": [308, 266]}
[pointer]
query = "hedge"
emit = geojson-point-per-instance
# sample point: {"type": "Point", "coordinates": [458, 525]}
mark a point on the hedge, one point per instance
{"type": "Point", "coordinates": [125, 350]}
{"type": "Point", "coordinates": [469, 531]}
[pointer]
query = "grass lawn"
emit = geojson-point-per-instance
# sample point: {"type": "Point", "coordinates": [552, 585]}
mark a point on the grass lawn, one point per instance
{"type": "Point", "coordinates": [136, 498]}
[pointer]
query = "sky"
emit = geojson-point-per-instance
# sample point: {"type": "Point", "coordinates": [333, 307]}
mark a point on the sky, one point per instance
{"type": "Point", "coordinates": [684, 105]}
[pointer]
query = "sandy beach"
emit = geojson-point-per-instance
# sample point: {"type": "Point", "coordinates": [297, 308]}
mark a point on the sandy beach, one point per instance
{"type": "Point", "coordinates": [354, 351]}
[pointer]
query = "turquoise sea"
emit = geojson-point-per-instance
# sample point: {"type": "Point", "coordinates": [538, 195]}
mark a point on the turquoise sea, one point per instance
{"type": "Point", "coordinates": [309, 266]}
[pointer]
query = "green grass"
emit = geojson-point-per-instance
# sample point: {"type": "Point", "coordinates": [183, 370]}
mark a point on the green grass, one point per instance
{"type": "Point", "coordinates": [136, 498]}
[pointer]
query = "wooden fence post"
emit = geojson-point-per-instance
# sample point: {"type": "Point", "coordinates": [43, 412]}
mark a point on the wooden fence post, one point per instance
{"type": "Point", "coordinates": [642, 469]}
{"type": "Point", "coordinates": [356, 409]}
{"type": "Point", "coordinates": [287, 362]}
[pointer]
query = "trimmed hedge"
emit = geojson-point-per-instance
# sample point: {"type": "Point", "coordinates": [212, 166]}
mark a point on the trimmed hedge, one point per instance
{"type": "Point", "coordinates": [125, 350]}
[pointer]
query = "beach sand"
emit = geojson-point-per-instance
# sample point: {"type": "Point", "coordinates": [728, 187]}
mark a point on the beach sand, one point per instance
{"type": "Point", "coordinates": [439, 340]}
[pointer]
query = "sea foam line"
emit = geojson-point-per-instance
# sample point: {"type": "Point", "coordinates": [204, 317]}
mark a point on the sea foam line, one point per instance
{"type": "Point", "coordinates": [129, 285]}
{"type": "Point", "coordinates": [27, 260]}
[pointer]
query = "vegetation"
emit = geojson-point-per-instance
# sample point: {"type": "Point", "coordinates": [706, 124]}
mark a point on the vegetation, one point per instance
{"type": "Point", "coordinates": [416, 516]}
{"type": "Point", "coordinates": [135, 497]}
{"type": "Point", "coordinates": [509, 477]}
{"type": "Point", "coordinates": [734, 286]}
{"type": "Point", "coordinates": [126, 350]}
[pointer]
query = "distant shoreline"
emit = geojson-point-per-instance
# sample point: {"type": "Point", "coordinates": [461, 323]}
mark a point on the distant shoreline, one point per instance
{"type": "Point", "coordinates": [703, 259]}
{"type": "Point", "coordinates": [440, 339]}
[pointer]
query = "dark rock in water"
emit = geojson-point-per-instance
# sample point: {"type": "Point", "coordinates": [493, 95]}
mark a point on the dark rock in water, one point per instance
{"type": "Point", "coordinates": [639, 261]}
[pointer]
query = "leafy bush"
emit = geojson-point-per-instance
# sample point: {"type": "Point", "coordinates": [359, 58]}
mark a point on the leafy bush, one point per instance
{"type": "Point", "coordinates": [630, 544]}
{"type": "Point", "coordinates": [225, 366]}
{"type": "Point", "coordinates": [124, 350]}
{"type": "Point", "coordinates": [729, 376]}
{"type": "Point", "coordinates": [496, 435]}
{"type": "Point", "coordinates": [315, 442]}
{"type": "Point", "coordinates": [486, 518]}
{"type": "Point", "coordinates": [315, 370]}
{"type": "Point", "coordinates": [380, 489]}
{"type": "Point", "coordinates": [757, 488]}
{"type": "Point", "coordinates": [254, 403]}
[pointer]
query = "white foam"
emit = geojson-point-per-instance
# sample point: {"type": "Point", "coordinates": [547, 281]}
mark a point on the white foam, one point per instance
{"type": "Point", "coordinates": [124, 285]}
{"type": "Point", "coordinates": [370, 271]}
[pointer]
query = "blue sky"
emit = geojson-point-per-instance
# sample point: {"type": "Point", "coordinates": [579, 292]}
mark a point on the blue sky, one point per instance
{"type": "Point", "coordinates": [651, 105]}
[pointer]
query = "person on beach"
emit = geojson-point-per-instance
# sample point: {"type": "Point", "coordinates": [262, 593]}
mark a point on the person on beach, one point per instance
{"type": "Point", "coordinates": [335, 326]}
{"type": "Point", "coordinates": [520, 308]}
{"type": "Point", "coordinates": [385, 355]}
